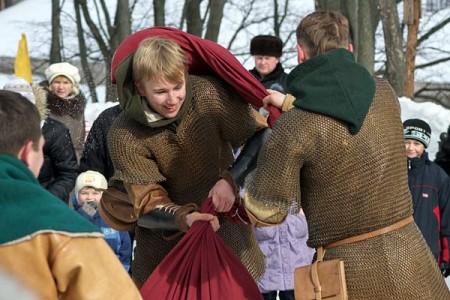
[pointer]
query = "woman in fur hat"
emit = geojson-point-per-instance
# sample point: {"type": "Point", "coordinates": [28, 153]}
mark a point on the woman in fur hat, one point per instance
{"type": "Point", "coordinates": [65, 101]}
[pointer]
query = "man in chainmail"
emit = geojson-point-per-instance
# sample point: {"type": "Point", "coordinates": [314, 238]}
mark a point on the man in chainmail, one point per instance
{"type": "Point", "coordinates": [171, 147]}
{"type": "Point", "coordinates": [340, 153]}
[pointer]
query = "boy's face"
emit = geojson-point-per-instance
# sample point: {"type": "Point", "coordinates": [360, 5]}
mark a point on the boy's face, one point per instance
{"type": "Point", "coordinates": [414, 148]}
{"type": "Point", "coordinates": [88, 194]}
{"type": "Point", "coordinates": [163, 97]}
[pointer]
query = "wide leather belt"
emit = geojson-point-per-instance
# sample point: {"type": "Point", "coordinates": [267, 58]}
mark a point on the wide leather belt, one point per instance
{"type": "Point", "coordinates": [371, 234]}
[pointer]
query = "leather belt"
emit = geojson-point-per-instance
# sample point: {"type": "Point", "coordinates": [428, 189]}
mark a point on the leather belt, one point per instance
{"type": "Point", "coordinates": [371, 234]}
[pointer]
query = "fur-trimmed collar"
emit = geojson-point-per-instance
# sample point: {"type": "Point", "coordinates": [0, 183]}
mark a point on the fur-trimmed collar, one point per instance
{"type": "Point", "coordinates": [72, 106]}
{"type": "Point", "coordinates": [40, 95]}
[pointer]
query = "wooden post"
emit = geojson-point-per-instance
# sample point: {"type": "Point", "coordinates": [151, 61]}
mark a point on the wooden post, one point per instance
{"type": "Point", "coordinates": [411, 44]}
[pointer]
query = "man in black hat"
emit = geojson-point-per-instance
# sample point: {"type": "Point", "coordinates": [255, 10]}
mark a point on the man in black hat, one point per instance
{"type": "Point", "coordinates": [430, 190]}
{"type": "Point", "coordinates": [267, 50]}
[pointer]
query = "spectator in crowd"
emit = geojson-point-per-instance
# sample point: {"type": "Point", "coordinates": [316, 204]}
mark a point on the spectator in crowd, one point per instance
{"type": "Point", "coordinates": [65, 101]}
{"type": "Point", "coordinates": [430, 190]}
{"type": "Point", "coordinates": [285, 249]}
{"type": "Point", "coordinates": [60, 168]}
{"type": "Point", "coordinates": [88, 192]}
{"type": "Point", "coordinates": [44, 244]}
{"type": "Point", "coordinates": [95, 153]}
{"type": "Point", "coordinates": [443, 155]}
{"type": "Point", "coordinates": [266, 51]}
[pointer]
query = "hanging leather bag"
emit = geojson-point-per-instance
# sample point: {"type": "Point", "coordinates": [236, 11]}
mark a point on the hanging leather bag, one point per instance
{"type": "Point", "coordinates": [322, 280]}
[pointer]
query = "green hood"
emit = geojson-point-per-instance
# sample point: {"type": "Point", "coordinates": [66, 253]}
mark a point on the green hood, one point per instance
{"type": "Point", "coordinates": [130, 100]}
{"type": "Point", "coordinates": [28, 209]}
{"type": "Point", "coordinates": [333, 84]}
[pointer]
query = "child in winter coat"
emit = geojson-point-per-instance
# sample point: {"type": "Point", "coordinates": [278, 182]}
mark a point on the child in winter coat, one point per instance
{"type": "Point", "coordinates": [88, 192]}
{"type": "Point", "coordinates": [430, 191]}
{"type": "Point", "coordinates": [285, 249]}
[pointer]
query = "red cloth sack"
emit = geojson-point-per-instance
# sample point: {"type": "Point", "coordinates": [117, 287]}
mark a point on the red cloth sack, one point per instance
{"type": "Point", "coordinates": [201, 266]}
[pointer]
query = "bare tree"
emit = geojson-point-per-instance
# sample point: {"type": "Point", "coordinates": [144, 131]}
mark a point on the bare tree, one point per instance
{"type": "Point", "coordinates": [365, 45]}
{"type": "Point", "coordinates": [83, 54]}
{"type": "Point", "coordinates": [106, 35]}
{"type": "Point", "coordinates": [159, 12]}
{"type": "Point", "coordinates": [244, 19]}
{"type": "Point", "coordinates": [193, 18]}
{"type": "Point", "coordinates": [215, 19]}
{"type": "Point", "coordinates": [55, 47]}
{"type": "Point", "coordinates": [395, 60]}
{"type": "Point", "coordinates": [411, 18]}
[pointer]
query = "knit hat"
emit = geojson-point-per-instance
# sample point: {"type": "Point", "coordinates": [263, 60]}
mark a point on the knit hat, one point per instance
{"type": "Point", "coordinates": [63, 69]}
{"type": "Point", "coordinates": [90, 179]}
{"type": "Point", "coordinates": [267, 45]}
{"type": "Point", "coordinates": [419, 130]}
{"type": "Point", "coordinates": [21, 86]}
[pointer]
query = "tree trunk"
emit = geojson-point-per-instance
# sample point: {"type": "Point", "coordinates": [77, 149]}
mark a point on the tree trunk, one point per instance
{"type": "Point", "coordinates": [328, 5]}
{"type": "Point", "coordinates": [55, 47]}
{"type": "Point", "coordinates": [83, 54]}
{"type": "Point", "coordinates": [159, 12]}
{"type": "Point", "coordinates": [368, 21]}
{"type": "Point", "coordinates": [122, 23]}
{"type": "Point", "coordinates": [351, 10]}
{"type": "Point", "coordinates": [193, 18]}
{"type": "Point", "coordinates": [122, 29]}
{"type": "Point", "coordinates": [214, 20]}
{"type": "Point", "coordinates": [411, 44]}
{"type": "Point", "coordinates": [393, 43]}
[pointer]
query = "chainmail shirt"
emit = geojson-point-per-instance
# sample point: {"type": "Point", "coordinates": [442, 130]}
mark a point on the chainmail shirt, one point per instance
{"type": "Point", "coordinates": [186, 160]}
{"type": "Point", "coordinates": [349, 185]}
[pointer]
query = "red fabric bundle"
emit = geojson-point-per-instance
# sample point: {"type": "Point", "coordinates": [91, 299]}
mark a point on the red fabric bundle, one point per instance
{"type": "Point", "coordinates": [201, 266]}
{"type": "Point", "coordinates": [206, 57]}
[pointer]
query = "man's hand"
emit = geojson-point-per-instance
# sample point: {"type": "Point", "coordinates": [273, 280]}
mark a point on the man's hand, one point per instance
{"type": "Point", "coordinates": [275, 98]}
{"type": "Point", "coordinates": [196, 216]}
{"type": "Point", "coordinates": [222, 195]}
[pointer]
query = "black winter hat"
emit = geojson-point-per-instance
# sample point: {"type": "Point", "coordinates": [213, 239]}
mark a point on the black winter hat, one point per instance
{"type": "Point", "coordinates": [268, 45]}
{"type": "Point", "coordinates": [419, 130]}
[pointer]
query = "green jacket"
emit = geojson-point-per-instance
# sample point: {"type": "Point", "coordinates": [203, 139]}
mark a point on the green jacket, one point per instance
{"type": "Point", "coordinates": [28, 209]}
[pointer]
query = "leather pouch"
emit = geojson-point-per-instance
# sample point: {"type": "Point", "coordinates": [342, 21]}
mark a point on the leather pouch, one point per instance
{"type": "Point", "coordinates": [321, 280]}
{"type": "Point", "coordinates": [116, 209]}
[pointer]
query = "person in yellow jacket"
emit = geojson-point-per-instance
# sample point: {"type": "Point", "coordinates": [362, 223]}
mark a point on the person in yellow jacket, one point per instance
{"type": "Point", "coordinates": [45, 245]}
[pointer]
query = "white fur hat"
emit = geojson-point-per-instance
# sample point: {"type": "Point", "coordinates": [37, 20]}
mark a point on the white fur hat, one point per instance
{"type": "Point", "coordinates": [63, 69]}
{"type": "Point", "coordinates": [92, 179]}
{"type": "Point", "coordinates": [21, 86]}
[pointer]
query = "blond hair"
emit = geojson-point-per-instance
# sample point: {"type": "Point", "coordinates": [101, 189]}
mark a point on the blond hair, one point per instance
{"type": "Point", "coordinates": [322, 31]}
{"type": "Point", "coordinates": [158, 57]}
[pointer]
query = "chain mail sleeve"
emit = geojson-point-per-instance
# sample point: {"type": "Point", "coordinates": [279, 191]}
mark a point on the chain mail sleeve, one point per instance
{"type": "Point", "coordinates": [236, 120]}
{"type": "Point", "coordinates": [136, 167]}
{"type": "Point", "coordinates": [275, 183]}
